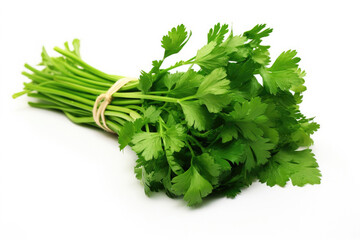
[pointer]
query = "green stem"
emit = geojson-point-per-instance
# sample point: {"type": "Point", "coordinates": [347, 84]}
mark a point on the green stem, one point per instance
{"type": "Point", "coordinates": [116, 128]}
{"type": "Point", "coordinates": [159, 92]}
{"type": "Point", "coordinates": [35, 78]}
{"type": "Point", "coordinates": [81, 100]}
{"type": "Point", "coordinates": [79, 119]}
{"type": "Point", "coordinates": [178, 65]}
{"type": "Point", "coordinates": [85, 65]}
{"type": "Point", "coordinates": [190, 148]}
{"type": "Point", "coordinates": [80, 73]}
{"type": "Point", "coordinates": [139, 95]}
{"type": "Point", "coordinates": [122, 101]}
{"type": "Point", "coordinates": [196, 142]}
{"type": "Point", "coordinates": [188, 98]}
{"type": "Point", "coordinates": [46, 99]}
{"type": "Point", "coordinates": [81, 80]}
{"type": "Point", "coordinates": [31, 86]}
{"type": "Point", "coordinates": [55, 107]}
{"type": "Point", "coordinates": [40, 73]}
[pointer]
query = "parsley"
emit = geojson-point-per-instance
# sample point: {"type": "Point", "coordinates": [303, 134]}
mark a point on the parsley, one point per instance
{"type": "Point", "coordinates": [196, 133]}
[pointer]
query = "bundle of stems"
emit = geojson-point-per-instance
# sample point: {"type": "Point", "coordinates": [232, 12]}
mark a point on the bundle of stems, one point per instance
{"type": "Point", "coordinates": [69, 84]}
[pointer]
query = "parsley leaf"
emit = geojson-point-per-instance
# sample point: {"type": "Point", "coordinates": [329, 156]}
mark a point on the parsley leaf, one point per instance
{"type": "Point", "coordinates": [258, 32]}
{"type": "Point", "coordinates": [187, 84]}
{"type": "Point", "coordinates": [211, 56]}
{"type": "Point", "coordinates": [148, 144]}
{"type": "Point", "coordinates": [256, 153]}
{"type": "Point", "coordinates": [151, 114]}
{"type": "Point", "coordinates": [231, 152]}
{"type": "Point", "coordinates": [217, 33]}
{"type": "Point", "coordinates": [228, 132]}
{"type": "Point", "coordinates": [196, 115]}
{"type": "Point", "coordinates": [173, 163]}
{"type": "Point", "coordinates": [283, 74]}
{"type": "Point", "coordinates": [214, 83]}
{"type": "Point", "coordinates": [126, 133]}
{"type": "Point", "coordinates": [174, 138]}
{"type": "Point", "coordinates": [192, 185]}
{"type": "Point", "coordinates": [299, 166]}
{"type": "Point", "coordinates": [145, 81]}
{"type": "Point", "coordinates": [175, 40]}
{"type": "Point", "coordinates": [212, 90]}
{"type": "Point", "coordinates": [247, 117]}
{"type": "Point", "coordinates": [207, 167]}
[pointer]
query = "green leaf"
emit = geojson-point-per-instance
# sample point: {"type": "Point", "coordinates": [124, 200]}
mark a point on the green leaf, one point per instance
{"type": "Point", "coordinates": [217, 33]}
{"type": "Point", "coordinates": [283, 74]}
{"type": "Point", "coordinates": [287, 60]}
{"type": "Point", "coordinates": [249, 110]}
{"type": "Point", "coordinates": [192, 185]}
{"type": "Point", "coordinates": [232, 152]}
{"type": "Point", "coordinates": [156, 66]}
{"type": "Point", "coordinates": [127, 132]}
{"type": "Point", "coordinates": [256, 153]}
{"type": "Point", "coordinates": [187, 84]}
{"type": "Point", "coordinates": [261, 55]}
{"type": "Point", "coordinates": [196, 115]}
{"type": "Point", "coordinates": [247, 117]}
{"type": "Point", "coordinates": [170, 79]}
{"type": "Point", "coordinates": [299, 166]}
{"type": "Point", "coordinates": [310, 127]}
{"type": "Point", "coordinates": [212, 90]}
{"type": "Point", "coordinates": [173, 163]}
{"type": "Point", "coordinates": [145, 81]}
{"type": "Point", "coordinates": [174, 138]}
{"type": "Point", "coordinates": [301, 138]}
{"type": "Point", "coordinates": [215, 103]}
{"type": "Point", "coordinates": [148, 144]}
{"type": "Point", "coordinates": [211, 56]}
{"type": "Point", "coordinates": [258, 32]}
{"type": "Point", "coordinates": [240, 73]}
{"type": "Point", "coordinates": [144, 177]}
{"type": "Point", "coordinates": [151, 114]}
{"type": "Point", "coordinates": [215, 83]}
{"type": "Point", "coordinates": [228, 132]}
{"type": "Point", "coordinates": [46, 60]}
{"type": "Point", "coordinates": [76, 45]}
{"type": "Point", "coordinates": [233, 44]}
{"type": "Point", "coordinates": [207, 167]}
{"type": "Point", "coordinates": [175, 40]}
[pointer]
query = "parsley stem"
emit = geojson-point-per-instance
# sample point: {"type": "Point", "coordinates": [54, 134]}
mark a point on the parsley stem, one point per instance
{"type": "Point", "coordinates": [178, 65]}
{"type": "Point", "coordinates": [85, 65]}
{"type": "Point", "coordinates": [188, 98]}
{"type": "Point", "coordinates": [191, 66]}
{"type": "Point", "coordinates": [196, 142]}
{"type": "Point", "coordinates": [81, 73]}
{"type": "Point", "coordinates": [140, 95]}
{"type": "Point", "coordinates": [190, 148]}
{"type": "Point", "coordinates": [76, 79]}
{"type": "Point", "coordinates": [159, 92]}
{"type": "Point", "coordinates": [84, 103]}
{"type": "Point", "coordinates": [160, 127]}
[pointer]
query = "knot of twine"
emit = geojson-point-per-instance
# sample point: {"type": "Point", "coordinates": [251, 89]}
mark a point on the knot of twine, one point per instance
{"type": "Point", "coordinates": [103, 100]}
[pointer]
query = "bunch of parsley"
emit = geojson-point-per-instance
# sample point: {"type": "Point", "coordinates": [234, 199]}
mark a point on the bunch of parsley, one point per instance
{"type": "Point", "coordinates": [196, 133]}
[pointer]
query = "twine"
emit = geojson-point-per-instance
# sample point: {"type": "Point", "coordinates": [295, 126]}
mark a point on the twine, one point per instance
{"type": "Point", "coordinates": [104, 100]}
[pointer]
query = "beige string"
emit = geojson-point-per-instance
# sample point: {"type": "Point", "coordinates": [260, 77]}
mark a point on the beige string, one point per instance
{"type": "Point", "coordinates": [104, 100]}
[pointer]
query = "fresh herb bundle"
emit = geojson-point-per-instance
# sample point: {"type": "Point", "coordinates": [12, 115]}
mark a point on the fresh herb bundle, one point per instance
{"type": "Point", "coordinates": [196, 133]}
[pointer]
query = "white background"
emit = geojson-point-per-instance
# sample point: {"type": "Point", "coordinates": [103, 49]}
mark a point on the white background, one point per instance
{"type": "Point", "coordinates": [62, 181]}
